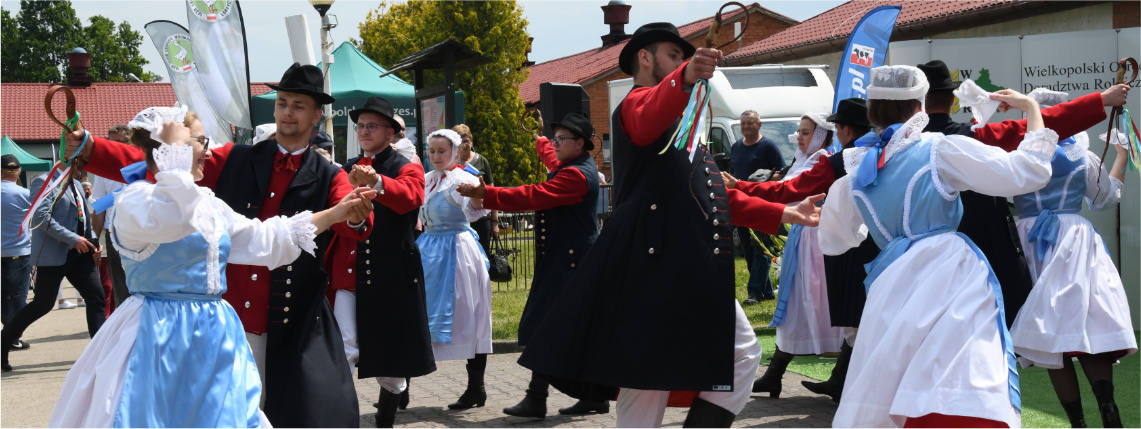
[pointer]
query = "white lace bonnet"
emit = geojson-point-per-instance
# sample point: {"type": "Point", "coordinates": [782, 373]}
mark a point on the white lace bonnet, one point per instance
{"type": "Point", "coordinates": [897, 83]}
{"type": "Point", "coordinates": [152, 118]}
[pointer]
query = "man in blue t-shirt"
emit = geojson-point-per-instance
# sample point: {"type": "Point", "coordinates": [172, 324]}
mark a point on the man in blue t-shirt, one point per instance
{"type": "Point", "coordinates": [749, 154]}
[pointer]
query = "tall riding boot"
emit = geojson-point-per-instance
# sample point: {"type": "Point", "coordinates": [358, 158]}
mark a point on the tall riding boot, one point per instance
{"type": "Point", "coordinates": [770, 382]}
{"type": "Point", "coordinates": [475, 395]}
{"type": "Point", "coordinates": [1075, 414]}
{"type": "Point", "coordinates": [705, 414]}
{"type": "Point", "coordinates": [533, 405]}
{"type": "Point", "coordinates": [1103, 390]}
{"type": "Point", "coordinates": [386, 409]}
{"type": "Point", "coordinates": [835, 384]}
{"type": "Point", "coordinates": [404, 398]}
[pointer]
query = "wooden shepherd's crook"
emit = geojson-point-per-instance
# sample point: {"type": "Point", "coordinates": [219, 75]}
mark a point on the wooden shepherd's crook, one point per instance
{"type": "Point", "coordinates": [716, 25]}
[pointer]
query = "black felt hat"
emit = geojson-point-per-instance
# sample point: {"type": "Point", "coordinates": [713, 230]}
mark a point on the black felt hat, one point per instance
{"type": "Point", "coordinates": [649, 34]}
{"type": "Point", "coordinates": [851, 111]}
{"type": "Point", "coordinates": [938, 76]}
{"type": "Point", "coordinates": [380, 106]}
{"type": "Point", "coordinates": [579, 126]}
{"type": "Point", "coordinates": [304, 79]}
{"type": "Point", "coordinates": [9, 162]}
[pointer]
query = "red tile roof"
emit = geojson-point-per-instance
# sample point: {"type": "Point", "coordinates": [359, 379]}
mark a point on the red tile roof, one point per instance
{"type": "Point", "coordinates": [832, 28]}
{"type": "Point", "coordinates": [589, 65]}
{"type": "Point", "coordinates": [100, 106]}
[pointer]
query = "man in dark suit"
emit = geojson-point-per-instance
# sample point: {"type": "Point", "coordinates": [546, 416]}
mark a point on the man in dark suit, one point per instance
{"type": "Point", "coordinates": [63, 245]}
{"type": "Point", "coordinates": [289, 323]}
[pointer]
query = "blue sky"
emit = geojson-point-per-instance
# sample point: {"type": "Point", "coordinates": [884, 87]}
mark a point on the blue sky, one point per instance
{"type": "Point", "coordinates": [550, 22]}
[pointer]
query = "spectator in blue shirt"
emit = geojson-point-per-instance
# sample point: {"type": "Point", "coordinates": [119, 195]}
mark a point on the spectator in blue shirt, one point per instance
{"type": "Point", "coordinates": [14, 247]}
{"type": "Point", "coordinates": [749, 154]}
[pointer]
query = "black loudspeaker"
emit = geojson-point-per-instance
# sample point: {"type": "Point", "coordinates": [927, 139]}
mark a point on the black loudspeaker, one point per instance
{"type": "Point", "coordinates": [556, 100]}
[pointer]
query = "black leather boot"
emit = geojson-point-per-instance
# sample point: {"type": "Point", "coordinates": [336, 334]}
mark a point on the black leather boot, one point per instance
{"type": "Point", "coordinates": [1075, 414]}
{"type": "Point", "coordinates": [1103, 390]}
{"type": "Point", "coordinates": [704, 414]}
{"type": "Point", "coordinates": [404, 398]}
{"type": "Point", "coordinates": [475, 395]}
{"type": "Point", "coordinates": [534, 405]}
{"type": "Point", "coordinates": [586, 407]}
{"type": "Point", "coordinates": [771, 381]}
{"type": "Point", "coordinates": [386, 410]}
{"type": "Point", "coordinates": [834, 386]}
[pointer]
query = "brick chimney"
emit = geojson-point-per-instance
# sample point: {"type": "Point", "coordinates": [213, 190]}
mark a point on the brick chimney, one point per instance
{"type": "Point", "coordinates": [617, 15]}
{"type": "Point", "coordinates": [78, 60]}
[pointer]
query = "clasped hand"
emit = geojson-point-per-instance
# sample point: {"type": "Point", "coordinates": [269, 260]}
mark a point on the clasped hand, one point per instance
{"type": "Point", "coordinates": [356, 206]}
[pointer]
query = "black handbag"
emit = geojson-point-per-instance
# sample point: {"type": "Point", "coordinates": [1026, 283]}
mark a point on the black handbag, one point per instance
{"type": "Point", "coordinates": [499, 270]}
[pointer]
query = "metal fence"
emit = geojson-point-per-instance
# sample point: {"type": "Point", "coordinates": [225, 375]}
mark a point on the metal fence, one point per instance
{"type": "Point", "coordinates": [517, 239]}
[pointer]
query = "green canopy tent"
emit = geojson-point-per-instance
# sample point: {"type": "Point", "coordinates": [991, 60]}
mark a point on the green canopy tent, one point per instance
{"type": "Point", "coordinates": [355, 78]}
{"type": "Point", "coordinates": [27, 161]}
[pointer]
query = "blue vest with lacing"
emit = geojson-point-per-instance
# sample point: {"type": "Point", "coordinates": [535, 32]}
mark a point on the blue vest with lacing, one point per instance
{"type": "Point", "coordinates": [1063, 194]}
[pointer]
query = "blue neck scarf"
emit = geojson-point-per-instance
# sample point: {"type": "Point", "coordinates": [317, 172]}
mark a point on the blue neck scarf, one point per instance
{"type": "Point", "coordinates": [131, 174]}
{"type": "Point", "coordinates": [866, 173]}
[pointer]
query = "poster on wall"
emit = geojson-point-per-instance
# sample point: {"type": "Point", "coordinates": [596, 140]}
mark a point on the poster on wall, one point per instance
{"type": "Point", "coordinates": [433, 111]}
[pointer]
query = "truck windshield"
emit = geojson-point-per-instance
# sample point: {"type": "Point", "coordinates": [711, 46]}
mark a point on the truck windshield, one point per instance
{"type": "Point", "coordinates": [778, 131]}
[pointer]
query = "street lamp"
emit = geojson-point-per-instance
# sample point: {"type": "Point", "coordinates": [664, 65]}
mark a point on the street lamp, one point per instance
{"type": "Point", "coordinates": [322, 7]}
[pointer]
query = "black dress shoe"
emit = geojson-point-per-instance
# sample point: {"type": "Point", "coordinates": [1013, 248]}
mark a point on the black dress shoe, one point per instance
{"type": "Point", "coordinates": [20, 345]}
{"type": "Point", "coordinates": [586, 407]}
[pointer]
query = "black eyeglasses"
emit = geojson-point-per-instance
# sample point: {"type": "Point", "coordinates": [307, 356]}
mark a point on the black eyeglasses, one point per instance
{"type": "Point", "coordinates": [557, 141]}
{"type": "Point", "coordinates": [201, 139]}
{"type": "Point", "coordinates": [370, 127]}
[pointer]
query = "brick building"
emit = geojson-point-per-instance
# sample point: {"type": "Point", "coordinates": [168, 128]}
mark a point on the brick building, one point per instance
{"type": "Point", "coordinates": [594, 68]}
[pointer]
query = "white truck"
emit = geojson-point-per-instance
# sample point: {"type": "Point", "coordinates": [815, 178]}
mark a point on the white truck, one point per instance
{"type": "Point", "coordinates": [780, 94]}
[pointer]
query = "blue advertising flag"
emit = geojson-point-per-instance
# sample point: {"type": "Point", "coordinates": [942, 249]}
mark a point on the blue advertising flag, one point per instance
{"type": "Point", "coordinates": [866, 49]}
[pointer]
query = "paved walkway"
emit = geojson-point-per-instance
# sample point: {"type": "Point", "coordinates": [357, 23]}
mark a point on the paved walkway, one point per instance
{"type": "Point", "coordinates": [28, 394]}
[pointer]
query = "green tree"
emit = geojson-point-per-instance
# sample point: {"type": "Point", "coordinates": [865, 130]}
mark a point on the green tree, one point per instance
{"type": "Point", "coordinates": [496, 30]}
{"type": "Point", "coordinates": [39, 37]}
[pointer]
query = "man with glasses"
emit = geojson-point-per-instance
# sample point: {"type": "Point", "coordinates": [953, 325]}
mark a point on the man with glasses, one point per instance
{"type": "Point", "coordinates": [289, 323]}
{"type": "Point", "coordinates": [751, 153]}
{"type": "Point", "coordinates": [379, 283]}
{"type": "Point", "coordinates": [565, 227]}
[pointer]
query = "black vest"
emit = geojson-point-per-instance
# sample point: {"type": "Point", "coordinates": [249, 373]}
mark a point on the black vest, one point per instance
{"type": "Point", "coordinates": [563, 237]}
{"type": "Point", "coordinates": [392, 315]}
{"type": "Point", "coordinates": [308, 383]}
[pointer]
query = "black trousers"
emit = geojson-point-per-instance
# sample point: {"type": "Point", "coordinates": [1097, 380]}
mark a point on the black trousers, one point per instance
{"type": "Point", "coordinates": [119, 289]}
{"type": "Point", "coordinates": [80, 270]}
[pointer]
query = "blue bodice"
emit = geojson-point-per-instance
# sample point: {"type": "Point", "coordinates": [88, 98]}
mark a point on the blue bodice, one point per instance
{"type": "Point", "coordinates": [906, 199]}
{"type": "Point", "coordinates": [178, 270]}
{"type": "Point", "coordinates": [1063, 194]}
{"type": "Point", "coordinates": [440, 216]}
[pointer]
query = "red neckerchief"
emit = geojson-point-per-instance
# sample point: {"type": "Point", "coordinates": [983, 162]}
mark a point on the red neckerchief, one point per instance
{"type": "Point", "coordinates": [282, 161]}
{"type": "Point", "coordinates": [438, 178]}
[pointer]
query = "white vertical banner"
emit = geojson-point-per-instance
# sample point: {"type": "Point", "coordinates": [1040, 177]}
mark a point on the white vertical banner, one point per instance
{"type": "Point", "coordinates": [1129, 45]}
{"type": "Point", "coordinates": [173, 43]}
{"type": "Point", "coordinates": [219, 40]}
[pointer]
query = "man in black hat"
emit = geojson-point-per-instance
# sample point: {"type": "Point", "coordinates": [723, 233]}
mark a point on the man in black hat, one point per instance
{"type": "Point", "coordinates": [289, 323]}
{"type": "Point", "coordinates": [323, 145]}
{"type": "Point", "coordinates": [654, 308]}
{"type": "Point", "coordinates": [566, 228]}
{"type": "Point", "coordinates": [379, 283]}
{"type": "Point", "coordinates": [987, 220]}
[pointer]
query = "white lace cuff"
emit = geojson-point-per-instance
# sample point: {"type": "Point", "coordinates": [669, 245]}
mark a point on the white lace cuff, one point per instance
{"type": "Point", "coordinates": [1042, 141]}
{"type": "Point", "coordinates": [303, 232]}
{"type": "Point", "coordinates": [173, 158]}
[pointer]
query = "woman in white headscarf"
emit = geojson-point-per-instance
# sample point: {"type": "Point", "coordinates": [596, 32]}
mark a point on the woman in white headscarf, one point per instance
{"type": "Point", "coordinates": [802, 321]}
{"type": "Point", "coordinates": [456, 282]}
{"type": "Point", "coordinates": [174, 354]}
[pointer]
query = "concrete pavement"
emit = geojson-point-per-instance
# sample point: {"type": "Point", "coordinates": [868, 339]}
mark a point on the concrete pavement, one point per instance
{"type": "Point", "coordinates": [28, 394]}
